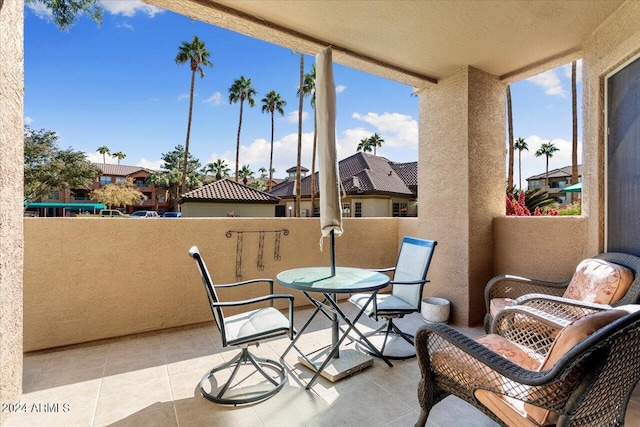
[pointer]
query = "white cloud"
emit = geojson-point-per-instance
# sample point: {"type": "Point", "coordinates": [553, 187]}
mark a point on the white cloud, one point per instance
{"type": "Point", "coordinates": [40, 10]}
{"type": "Point", "coordinates": [340, 88]}
{"type": "Point", "coordinates": [567, 70]}
{"type": "Point", "coordinates": [96, 157]}
{"type": "Point", "coordinates": [129, 7]}
{"type": "Point", "coordinates": [532, 165]}
{"type": "Point", "coordinates": [125, 25]}
{"type": "Point", "coordinates": [28, 120]}
{"type": "Point", "coordinates": [292, 117]}
{"type": "Point", "coordinates": [215, 99]}
{"type": "Point", "coordinates": [550, 82]}
{"type": "Point", "coordinates": [397, 130]}
{"type": "Point", "coordinates": [184, 96]}
{"type": "Point", "coordinates": [150, 164]}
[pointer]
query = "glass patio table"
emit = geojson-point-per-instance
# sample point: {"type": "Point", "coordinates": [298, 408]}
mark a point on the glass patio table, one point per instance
{"type": "Point", "coordinates": [314, 280]}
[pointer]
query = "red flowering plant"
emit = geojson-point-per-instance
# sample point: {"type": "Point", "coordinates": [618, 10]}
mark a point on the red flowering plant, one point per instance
{"type": "Point", "coordinates": [518, 207]}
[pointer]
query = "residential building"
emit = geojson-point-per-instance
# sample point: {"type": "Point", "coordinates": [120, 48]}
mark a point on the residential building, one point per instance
{"type": "Point", "coordinates": [61, 202]}
{"type": "Point", "coordinates": [558, 180]}
{"type": "Point", "coordinates": [227, 198]}
{"type": "Point", "coordinates": [373, 187]}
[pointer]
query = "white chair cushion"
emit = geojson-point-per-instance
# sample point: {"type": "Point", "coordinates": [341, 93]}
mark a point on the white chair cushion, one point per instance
{"type": "Point", "coordinates": [257, 322]}
{"type": "Point", "coordinates": [385, 302]}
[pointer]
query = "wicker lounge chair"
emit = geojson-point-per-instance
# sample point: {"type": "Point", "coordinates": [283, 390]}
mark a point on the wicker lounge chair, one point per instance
{"type": "Point", "coordinates": [582, 376]}
{"type": "Point", "coordinates": [507, 290]}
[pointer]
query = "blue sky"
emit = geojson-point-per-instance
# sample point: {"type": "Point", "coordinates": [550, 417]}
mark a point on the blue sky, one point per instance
{"type": "Point", "coordinates": [118, 85]}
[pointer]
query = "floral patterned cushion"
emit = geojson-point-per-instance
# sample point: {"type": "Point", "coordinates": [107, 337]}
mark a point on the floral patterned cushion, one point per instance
{"type": "Point", "coordinates": [599, 281]}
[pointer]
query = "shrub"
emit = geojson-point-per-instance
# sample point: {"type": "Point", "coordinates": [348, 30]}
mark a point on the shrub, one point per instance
{"type": "Point", "coordinates": [518, 207]}
{"type": "Point", "coordinates": [573, 209]}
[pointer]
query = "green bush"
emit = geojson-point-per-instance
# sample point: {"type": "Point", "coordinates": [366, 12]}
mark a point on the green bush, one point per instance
{"type": "Point", "coordinates": [573, 209]}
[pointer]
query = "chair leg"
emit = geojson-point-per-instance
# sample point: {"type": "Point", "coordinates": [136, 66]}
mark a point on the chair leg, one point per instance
{"type": "Point", "coordinates": [386, 338]}
{"type": "Point", "coordinates": [422, 419]}
{"type": "Point", "coordinates": [244, 358]}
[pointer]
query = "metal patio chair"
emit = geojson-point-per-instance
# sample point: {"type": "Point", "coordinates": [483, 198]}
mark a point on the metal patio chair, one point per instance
{"type": "Point", "coordinates": [582, 374]}
{"type": "Point", "coordinates": [409, 277]}
{"type": "Point", "coordinates": [241, 331]}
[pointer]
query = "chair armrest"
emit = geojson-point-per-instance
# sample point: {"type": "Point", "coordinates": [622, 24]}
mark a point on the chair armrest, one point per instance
{"type": "Point", "coordinates": [252, 300]}
{"type": "Point", "coordinates": [410, 282]}
{"type": "Point", "coordinates": [248, 282]}
{"type": "Point", "coordinates": [385, 270]}
{"type": "Point", "coordinates": [564, 308]}
{"type": "Point", "coordinates": [508, 286]}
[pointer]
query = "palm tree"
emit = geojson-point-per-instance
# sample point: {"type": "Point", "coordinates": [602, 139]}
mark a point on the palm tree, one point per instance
{"type": "Point", "coordinates": [198, 56]}
{"type": "Point", "coordinates": [159, 180]}
{"type": "Point", "coordinates": [309, 89]}
{"type": "Point", "coordinates": [245, 173]}
{"type": "Point", "coordinates": [364, 145]}
{"type": "Point", "coordinates": [272, 103]}
{"type": "Point", "coordinates": [219, 168]}
{"type": "Point", "coordinates": [104, 150]}
{"type": "Point", "coordinates": [510, 139]}
{"type": "Point", "coordinates": [375, 140]}
{"type": "Point", "coordinates": [239, 91]}
{"type": "Point", "coordinates": [520, 144]}
{"type": "Point", "coordinates": [299, 159]}
{"type": "Point", "coordinates": [547, 149]}
{"type": "Point", "coordinates": [263, 172]}
{"type": "Point", "coordinates": [119, 155]}
{"type": "Point", "coordinates": [574, 145]}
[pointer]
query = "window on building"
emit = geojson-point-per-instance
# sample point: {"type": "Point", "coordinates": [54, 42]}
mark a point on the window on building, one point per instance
{"type": "Point", "coordinates": [140, 183]}
{"type": "Point", "coordinates": [105, 180]}
{"type": "Point", "coordinates": [121, 179]}
{"type": "Point", "coordinates": [160, 198]}
{"type": "Point", "coordinates": [399, 209]}
{"type": "Point", "coordinates": [346, 210]}
{"type": "Point", "coordinates": [54, 195]}
{"type": "Point", "coordinates": [358, 212]}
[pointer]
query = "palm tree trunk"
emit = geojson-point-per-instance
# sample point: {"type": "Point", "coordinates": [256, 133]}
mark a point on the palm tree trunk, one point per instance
{"type": "Point", "coordinates": [313, 162]}
{"type": "Point", "coordinates": [510, 121]}
{"type": "Point", "coordinates": [186, 144]}
{"type": "Point", "coordinates": [520, 170]}
{"type": "Point", "coordinates": [298, 177]}
{"type": "Point", "coordinates": [574, 146]}
{"type": "Point", "coordinates": [546, 175]}
{"type": "Point", "coordinates": [271, 154]}
{"type": "Point", "coordinates": [238, 141]}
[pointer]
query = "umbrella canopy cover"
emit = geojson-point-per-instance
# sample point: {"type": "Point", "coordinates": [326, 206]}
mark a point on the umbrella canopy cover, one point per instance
{"type": "Point", "coordinates": [328, 180]}
{"type": "Point", "coordinates": [575, 188]}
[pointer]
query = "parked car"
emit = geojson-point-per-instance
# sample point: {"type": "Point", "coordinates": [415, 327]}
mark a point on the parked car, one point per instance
{"type": "Point", "coordinates": [172, 215]}
{"type": "Point", "coordinates": [144, 214]}
{"type": "Point", "coordinates": [112, 213]}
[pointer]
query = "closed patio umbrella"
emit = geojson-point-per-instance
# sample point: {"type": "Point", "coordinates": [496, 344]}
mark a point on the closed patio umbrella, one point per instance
{"type": "Point", "coordinates": [329, 182]}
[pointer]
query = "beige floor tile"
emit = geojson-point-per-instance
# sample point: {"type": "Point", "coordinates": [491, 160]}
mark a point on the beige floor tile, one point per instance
{"type": "Point", "coordinates": [65, 384]}
{"type": "Point", "coordinates": [115, 382]}
{"type": "Point", "coordinates": [408, 420]}
{"type": "Point", "coordinates": [197, 411]}
{"type": "Point", "coordinates": [158, 415]}
{"type": "Point", "coordinates": [75, 359]}
{"type": "Point", "coordinates": [128, 399]}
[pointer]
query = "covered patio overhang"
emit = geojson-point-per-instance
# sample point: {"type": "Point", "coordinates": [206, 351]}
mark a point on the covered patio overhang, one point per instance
{"type": "Point", "coordinates": [459, 56]}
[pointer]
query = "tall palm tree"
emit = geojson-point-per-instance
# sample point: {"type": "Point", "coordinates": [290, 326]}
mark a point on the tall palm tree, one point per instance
{"type": "Point", "coordinates": [272, 103]}
{"type": "Point", "coordinates": [241, 90]}
{"type": "Point", "coordinates": [574, 145]}
{"type": "Point", "coordinates": [364, 145]}
{"type": "Point", "coordinates": [375, 140]}
{"type": "Point", "coordinates": [119, 155]}
{"type": "Point", "coordinates": [510, 140]}
{"type": "Point", "coordinates": [245, 173]}
{"type": "Point", "coordinates": [219, 168]}
{"type": "Point", "coordinates": [299, 158]}
{"type": "Point", "coordinates": [263, 172]}
{"type": "Point", "coordinates": [104, 150]}
{"type": "Point", "coordinates": [520, 144]}
{"type": "Point", "coordinates": [197, 55]}
{"type": "Point", "coordinates": [547, 149]}
{"type": "Point", "coordinates": [309, 89]}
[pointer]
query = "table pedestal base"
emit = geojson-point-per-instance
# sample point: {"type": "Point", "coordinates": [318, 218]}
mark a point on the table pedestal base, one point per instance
{"type": "Point", "coordinates": [395, 347]}
{"type": "Point", "coordinates": [350, 362]}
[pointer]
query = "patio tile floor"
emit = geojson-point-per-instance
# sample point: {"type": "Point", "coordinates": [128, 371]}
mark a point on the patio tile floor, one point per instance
{"type": "Point", "coordinates": [151, 380]}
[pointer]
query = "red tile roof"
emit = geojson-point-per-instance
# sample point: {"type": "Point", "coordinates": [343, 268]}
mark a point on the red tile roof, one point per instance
{"type": "Point", "coordinates": [226, 190]}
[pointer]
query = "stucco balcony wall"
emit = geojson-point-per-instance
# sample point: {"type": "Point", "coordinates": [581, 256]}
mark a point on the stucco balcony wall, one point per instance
{"type": "Point", "coordinates": [93, 278]}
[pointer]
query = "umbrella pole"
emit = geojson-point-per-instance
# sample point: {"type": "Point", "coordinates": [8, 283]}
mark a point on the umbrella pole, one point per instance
{"type": "Point", "coordinates": [333, 254]}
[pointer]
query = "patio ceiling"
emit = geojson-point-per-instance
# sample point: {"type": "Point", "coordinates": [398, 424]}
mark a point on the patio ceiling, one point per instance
{"type": "Point", "coordinates": [416, 41]}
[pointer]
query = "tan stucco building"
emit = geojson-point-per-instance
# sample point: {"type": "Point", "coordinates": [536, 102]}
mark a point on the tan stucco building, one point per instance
{"type": "Point", "coordinates": [458, 55]}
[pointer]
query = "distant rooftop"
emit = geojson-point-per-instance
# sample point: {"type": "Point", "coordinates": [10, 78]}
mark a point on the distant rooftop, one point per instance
{"type": "Point", "coordinates": [227, 191]}
{"type": "Point", "coordinates": [120, 170]}
{"type": "Point", "coordinates": [563, 172]}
